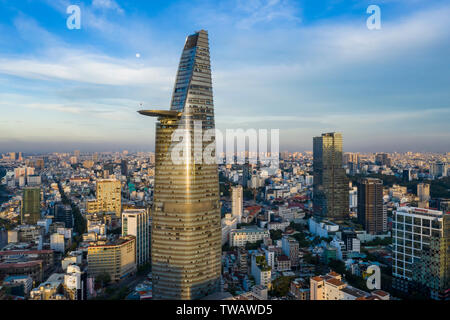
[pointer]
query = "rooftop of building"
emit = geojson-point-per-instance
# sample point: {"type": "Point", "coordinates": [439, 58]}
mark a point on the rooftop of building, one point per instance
{"type": "Point", "coordinates": [380, 293]}
{"type": "Point", "coordinates": [414, 210]}
{"type": "Point", "coordinates": [115, 241]}
{"type": "Point", "coordinates": [18, 277]}
{"type": "Point", "coordinates": [218, 296]}
{"type": "Point", "coordinates": [354, 292]}
{"type": "Point", "coordinates": [318, 278]}
{"type": "Point", "coordinates": [24, 252]}
{"type": "Point", "coordinates": [283, 258]}
{"type": "Point", "coordinates": [26, 264]}
{"type": "Point", "coordinates": [335, 282]}
{"type": "Point", "coordinates": [53, 281]}
{"type": "Point", "coordinates": [250, 229]}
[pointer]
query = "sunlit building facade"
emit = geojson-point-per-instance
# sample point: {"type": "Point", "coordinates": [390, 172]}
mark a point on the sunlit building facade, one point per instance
{"type": "Point", "coordinates": [186, 226]}
{"type": "Point", "coordinates": [109, 197]}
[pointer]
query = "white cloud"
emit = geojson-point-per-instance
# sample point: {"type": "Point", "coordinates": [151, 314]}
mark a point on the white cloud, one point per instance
{"type": "Point", "coordinates": [107, 4]}
{"type": "Point", "coordinates": [86, 68]}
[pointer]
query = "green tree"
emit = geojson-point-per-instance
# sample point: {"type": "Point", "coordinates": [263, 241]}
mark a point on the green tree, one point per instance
{"type": "Point", "coordinates": [275, 234]}
{"type": "Point", "coordinates": [253, 245]}
{"type": "Point", "coordinates": [103, 279]}
{"type": "Point", "coordinates": [337, 266]}
{"type": "Point", "coordinates": [280, 286]}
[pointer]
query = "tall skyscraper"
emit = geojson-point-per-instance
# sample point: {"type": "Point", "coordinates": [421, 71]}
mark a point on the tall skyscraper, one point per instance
{"type": "Point", "coordinates": [135, 222]}
{"type": "Point", "coordinates": [109, 197]}
{"type": "Point", "coordinates": [370, 206]}
{"type": "Point", "coordinates": [237, 197]}
{"type": "Point", "coordinates": [186, 226]}
{"type": "Point", "coordinates": [331, 196]}
{"type": "Point", "coordinates": [124, 167]}
{"type": "Point", "coordinates": [31, 206]}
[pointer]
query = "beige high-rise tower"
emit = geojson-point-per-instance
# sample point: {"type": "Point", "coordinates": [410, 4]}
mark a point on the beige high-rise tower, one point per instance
{"type": "Point", "coordinates": [109, 197]}
{"type": "Point", "coordinates": [237, 202]}
{"type": "Point", "coordinates": [186, 229]}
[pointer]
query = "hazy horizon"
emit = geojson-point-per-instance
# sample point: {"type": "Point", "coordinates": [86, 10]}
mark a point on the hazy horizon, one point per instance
{"type": "Point", "coordinates": [304, 67]}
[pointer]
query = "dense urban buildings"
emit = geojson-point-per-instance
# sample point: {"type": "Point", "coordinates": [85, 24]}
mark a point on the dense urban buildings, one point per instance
{"type": "Point", "coordinates": [318, 224]}
{"type": "Point", "coordinates": [330, 182]}
{"type": "Point", "coordinates": [186, 227]}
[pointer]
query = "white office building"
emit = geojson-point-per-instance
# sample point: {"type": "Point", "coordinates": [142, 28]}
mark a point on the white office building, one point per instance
{"type": "Point", "coordinates": [135, 222]}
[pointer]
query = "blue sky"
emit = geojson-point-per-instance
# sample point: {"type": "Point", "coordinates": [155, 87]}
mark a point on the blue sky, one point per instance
{"type": "Point", "coordinates": [304, 67]}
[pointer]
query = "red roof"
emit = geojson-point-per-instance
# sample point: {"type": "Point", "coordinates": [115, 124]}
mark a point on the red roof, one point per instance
{"type": "Point", "coordinates": [296, 205]}
{"type": "Point", "coordinates": [20, 264]}
{"type": "Point", "coordinates": [18, 252]}
{"type": "Point", "coordinates": [253, 209]}
{"type": "Point", "coordinates": [318, 278]}
{"type": "Point", "coordinates": [283, 258]}
{"type": "Point", "coordinates": [380, 293]}
{"type": "Point", "coordinates": [335, 282]}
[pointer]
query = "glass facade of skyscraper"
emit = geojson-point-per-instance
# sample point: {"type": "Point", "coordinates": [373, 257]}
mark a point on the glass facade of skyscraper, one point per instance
{"type": "Point", "coordinates": [331, 197]}
{"type": "Point", "coordinates": [186, 229]}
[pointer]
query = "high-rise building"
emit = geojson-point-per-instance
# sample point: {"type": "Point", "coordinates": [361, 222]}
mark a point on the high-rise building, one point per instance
{"type": "Point", "coordinates": [290, 248]}
{"type": "Point", "coordinates": [246, 174]}
{"type": "Point", "coordinates": [237, 196]}
{"type": "Point", "coordinates": [423, 192]}
{"type": "Point", "coordinates": [63, 213]}
{"type": "Point", "coordinates": [109, 197]}
{"type": "Point", "coordinates": [421, 236]}
{"type": "Point", "coordinates": [438, 169]}
{"type": "Point", "coordinates": [382, 159]}
{"type": "Point", "coordinates": [31, 206]}
{"type": "Point", "coordinates": [406, 175]}
{"type": "Point", "coordinates": [124, 167]}
{"type": "Point", "coordinates": [135, 222]}
{"type": "Point", "coordinates": [371, 214]}
{"type": "Point", "coordinates": [186, 225]}
{"type": "Point", "coordinates": [330, 189]}
{"type": "Point", "coordinates": [40, 163]}
{"type": "Point", "coordinates": [431, 273]}
{"type": "Point", "coordinates": [351, 158]}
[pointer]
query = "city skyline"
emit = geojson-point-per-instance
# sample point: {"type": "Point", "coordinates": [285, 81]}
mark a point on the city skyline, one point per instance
{"type": "Point", "coordinates": [79, 89]}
